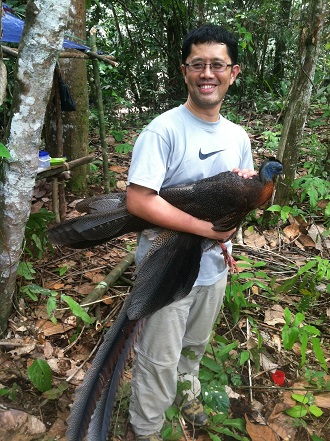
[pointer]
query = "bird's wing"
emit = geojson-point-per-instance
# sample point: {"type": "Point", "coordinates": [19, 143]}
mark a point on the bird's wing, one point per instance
{"type": "Point", "coordinates": [96, 228]}
{"type": "Point", "coordinates": [102, 203]}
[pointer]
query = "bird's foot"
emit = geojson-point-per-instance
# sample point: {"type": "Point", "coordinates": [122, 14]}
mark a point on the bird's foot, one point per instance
{"type": "Point", "coordinates": [228, 258]}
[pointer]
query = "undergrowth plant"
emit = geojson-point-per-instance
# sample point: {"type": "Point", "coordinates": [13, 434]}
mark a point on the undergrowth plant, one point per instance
{"type": "Point", "coordinates": [309, 281]}
{"type": "Point", "coordinates": [36, 240]}
{"type": "Point", "coordinates": [252, 275]}
{"type": "Point", "coordinates": [219, 368]}
{"type": "Point", "coordinates": [37, 293]}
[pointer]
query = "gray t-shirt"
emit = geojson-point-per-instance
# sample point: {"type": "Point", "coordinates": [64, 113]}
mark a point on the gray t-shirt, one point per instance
{"type": "Point", "coordinates": [179, 148]}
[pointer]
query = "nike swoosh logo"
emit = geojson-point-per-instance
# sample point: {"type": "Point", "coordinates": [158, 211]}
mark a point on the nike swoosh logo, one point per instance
{"type": "Point", "coordinates": [203, 156]}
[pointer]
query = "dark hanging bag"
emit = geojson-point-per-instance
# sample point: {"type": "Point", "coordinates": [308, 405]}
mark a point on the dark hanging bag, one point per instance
{"type": "Point", "coordinates": [67, 102]}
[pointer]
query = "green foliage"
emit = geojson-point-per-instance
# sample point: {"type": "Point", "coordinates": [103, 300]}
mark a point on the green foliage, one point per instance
{"type": "Point", "coordinates": [36, 240]}
{"type": "Point", "coordinates": [26, 270]}
{"type": "Point", "coordinates": [96, 173]}
{"type": "Point", "coordinates": [306, 281]}
{"type": "Point", "coordinates": [235, 299]}
{"type": "Point", "coordinates": [40, 375]}
{"type": "Point", "coordinates": [317, 379]}
{"type": "Point", "coordinates": [286, 211]}
{"type": "Point", "coordinates": [10, 392]}
{"type": "Point", "coordinates": [77, 310]}
{"type": "Point", "coordinates": [271, 139]}
{"type": "Point", "coordinates": [294, 330]}
{"type": "Point", "coordinates": [56, 392]}
{"type": "Point", "coordinates": [119, 135]}
{"type": "Point", "coordinates": [306, 406]}
{"type": "Point", "coordinates": [4, 152]}
{"type": "Point", "coordinates": [124, 148]}
{"type": "Point", "coordinates": [35, 292]}
{"type": "Point", "coordinates": [313, 189]}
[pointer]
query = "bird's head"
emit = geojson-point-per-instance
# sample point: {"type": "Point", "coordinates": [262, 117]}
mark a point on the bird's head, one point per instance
{"type": "Point", "coordinates": [270, 169]}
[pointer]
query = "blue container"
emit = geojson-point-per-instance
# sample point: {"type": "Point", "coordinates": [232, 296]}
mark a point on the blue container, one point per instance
{"type": "Point", "coordinates": [44, 159]}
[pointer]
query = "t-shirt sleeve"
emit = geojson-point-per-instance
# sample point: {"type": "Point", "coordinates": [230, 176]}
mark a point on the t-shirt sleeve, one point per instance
{"type": "Point", "coordinates": [149, 160]}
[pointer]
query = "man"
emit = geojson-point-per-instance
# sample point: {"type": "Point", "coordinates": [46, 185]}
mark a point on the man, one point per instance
{"type": "Point", "coordinates": [185, 144]}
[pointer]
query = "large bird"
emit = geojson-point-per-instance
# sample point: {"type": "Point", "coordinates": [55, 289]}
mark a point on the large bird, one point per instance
{"type": "Point", "coordinates": [167, 273]}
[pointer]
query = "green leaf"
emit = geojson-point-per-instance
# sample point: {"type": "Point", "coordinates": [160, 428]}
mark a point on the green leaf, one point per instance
{"type": "Point", "coordinates": [56, 392]}
{"type": "Point", "coordinates": [51, 306]}
{"type": "Point", "coordinates": [316, 438]}
{"type": "Point", "coordinates": [4, 392]}
{"type": "Point", "coordinates": [172, 412]}
{"type": "Point", "coordinates": [299, 318]}
{"type": "Point", "coordinates": [77, 310]}
{"type": "Point", "coordinates": [298, 411]}
{"type": "Point", "coordinates": [312, 330]}
{"type": "Point", "coordinates": [214, 437]}
{"type": "Point", "coordinates": [315, 410]}
{"type": "Point", "coordinates": [25, 269]}
{"type": "Point", "coordinates": [287, 316]}
{"type": "Point", "coordinates": [226, 349]}
{"type": "Point", "coordinates": [244, 357]}
{"type": "Point", "coordinates": [228, 432]}
{"type": "Point", "coordinates": [216, 398]}
{"type": "Point", "coordinates": [300, 398]}
{"type": "Point", "coordinates": [40, 375]}
{"type": "Point", "coordinates": [4, 152]}
{"type": "Point", "coordinates": [307, 267]}
{"type": "Point", "coordinates": [237, 423]}
{"type": "Point", "coordinates": [319, 352]}
{"type": "Point", "coordinates": [276, 208]}
{"type": "Point", "coordinates": [289, 336]}
{"type": "Point", "coordinates": [211, 364]}
{"type": "Point", "coordinates": [304, 341]}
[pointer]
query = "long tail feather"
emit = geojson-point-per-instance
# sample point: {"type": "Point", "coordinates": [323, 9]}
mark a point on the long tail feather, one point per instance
{"type": "Point", "coordinates": [167, 272]}
{"type": "Point", "coordinates": [101, 419]}
{"type": "Point", "coordinates": [98, 375]}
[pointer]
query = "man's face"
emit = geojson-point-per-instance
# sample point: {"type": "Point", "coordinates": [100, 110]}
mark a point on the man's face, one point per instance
{"type": "Point", "coordinates": [208, 88]}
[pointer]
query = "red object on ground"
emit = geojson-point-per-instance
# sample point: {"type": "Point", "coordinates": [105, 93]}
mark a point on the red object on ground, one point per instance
{"type": "Point", "coordinates": [278, 377]}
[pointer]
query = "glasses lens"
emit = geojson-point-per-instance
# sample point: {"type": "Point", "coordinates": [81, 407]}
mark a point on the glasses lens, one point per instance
{"type": "Point", "coordinates": [219, 67]}
{"type": "Point", "coordinates": [216, 67]}
{"type": "Point", "coordinates": [196, 67]}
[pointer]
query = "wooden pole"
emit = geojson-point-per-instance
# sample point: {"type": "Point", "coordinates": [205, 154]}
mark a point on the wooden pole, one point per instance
{"type": "Point", "coordinates": [58, 169]}
{"type": "Point", "coordinates": [108, 59]}
{"type": "Point", "coordinates": [104, 147]}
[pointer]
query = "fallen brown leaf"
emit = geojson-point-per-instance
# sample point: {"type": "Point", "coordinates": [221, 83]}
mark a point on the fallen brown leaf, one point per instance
{"type": "Point", "coordinates": [281, 423]}
{"type": "Point", "coordinates": [19, 425]}
{"type": "Point", "coordinates": [260, 433]}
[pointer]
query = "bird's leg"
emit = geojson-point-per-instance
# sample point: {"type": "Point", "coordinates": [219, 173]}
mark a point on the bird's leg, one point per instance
{"type": "Point", "coordinates": [229, 260]}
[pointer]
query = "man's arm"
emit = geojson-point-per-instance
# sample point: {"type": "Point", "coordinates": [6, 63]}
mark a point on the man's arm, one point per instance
{"type": "Point", "coordinates": [146, 203]}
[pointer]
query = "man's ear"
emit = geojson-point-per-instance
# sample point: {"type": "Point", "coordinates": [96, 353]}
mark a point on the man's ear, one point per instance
{"type": "Point", "coordinates": [184, 71]}
{"type": "Point", "coordinates": [234, 72]}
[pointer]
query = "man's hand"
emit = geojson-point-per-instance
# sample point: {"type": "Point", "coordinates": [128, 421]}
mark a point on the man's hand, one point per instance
{"type": "Point", "coordinates": [245, 173]}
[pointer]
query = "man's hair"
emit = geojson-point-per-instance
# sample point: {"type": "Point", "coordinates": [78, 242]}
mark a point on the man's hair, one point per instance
{"type": "Point", "coordinates": [210, 33]}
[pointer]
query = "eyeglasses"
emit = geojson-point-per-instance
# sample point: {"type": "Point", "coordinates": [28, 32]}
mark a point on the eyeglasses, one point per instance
{"type": "Point", "coordinates": [217, 66]}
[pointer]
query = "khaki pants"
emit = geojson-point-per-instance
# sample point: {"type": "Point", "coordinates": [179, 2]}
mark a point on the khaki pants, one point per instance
{"type": "Point", "coordinates": [158, 364]}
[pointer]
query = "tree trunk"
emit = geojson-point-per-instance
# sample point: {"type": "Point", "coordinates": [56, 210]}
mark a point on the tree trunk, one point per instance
{"type": "Point", "coordinates": [75, 124]}
{"type": "Point", "coordinates": [41, 41]}
{"type": "Point", "coordinates": [299, 101]}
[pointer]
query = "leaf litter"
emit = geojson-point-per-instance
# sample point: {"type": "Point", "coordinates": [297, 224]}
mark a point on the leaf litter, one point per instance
{"type": "Point", "coordinates": [68, 345]}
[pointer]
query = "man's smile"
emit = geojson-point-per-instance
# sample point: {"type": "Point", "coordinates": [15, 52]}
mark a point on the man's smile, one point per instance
{"type": "Point", "coordinates": [206, 88]}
